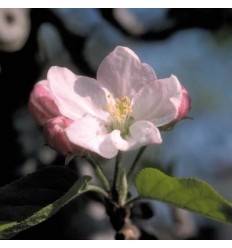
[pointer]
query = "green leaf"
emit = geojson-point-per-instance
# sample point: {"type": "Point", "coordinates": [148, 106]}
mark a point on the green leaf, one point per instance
{"type": "Point", "coordinates": [188, 193]}
{"type": "Point", "coordinates": [36, 197]}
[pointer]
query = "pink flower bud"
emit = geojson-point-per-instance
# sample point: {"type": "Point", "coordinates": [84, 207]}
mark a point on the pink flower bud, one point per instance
{"type": "Point", "coordinates": [183, 110]}
{"type": "Point", "coordinates": [185, 105]}
{"type": "Point", "coordinates": [41, 103]}
{"type": "Point", "coordinates": [55, 136]}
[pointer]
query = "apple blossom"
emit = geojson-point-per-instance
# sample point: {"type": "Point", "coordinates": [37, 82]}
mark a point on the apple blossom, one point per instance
{"type": "Point", "coordinates": [183, 110]}
{"type": "Point", "coordinates": [46, 113]}
{"type": "Point", "coordinates": [120, 110]}
{"type": "Point", "coordinates": [56, 137]}
{"type": "Point", "coordinates": [41, 103]}
{"type": "Point", "coordinates": [185, 105]}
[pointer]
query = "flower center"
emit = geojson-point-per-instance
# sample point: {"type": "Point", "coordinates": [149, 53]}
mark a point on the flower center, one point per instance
{"type": "Point", "coordinates": [120, 110]}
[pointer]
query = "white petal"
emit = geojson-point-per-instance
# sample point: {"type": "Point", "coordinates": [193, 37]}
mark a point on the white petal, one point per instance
{"type": "Point", "coordinates": [142, 133]}
{"type": "Point", "coordinates": [76, 96]}
{"type": "Point", "coordinates": [122, 73]}
{"type": "Point", "coordinates": [90, 133]}
{"type": "Point", "coordinates": [158, 101]}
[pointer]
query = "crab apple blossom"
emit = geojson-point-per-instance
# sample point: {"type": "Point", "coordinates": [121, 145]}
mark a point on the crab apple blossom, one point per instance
{"type": "Point", "coordinates": [185, 105]}
{"type": "Point", "coordinates": [183, 110]}
{"type": "Point", "coordinates": [46, 113]}
{"type": "Point", "coordinates": [41, 103]}
{"type": "Point", "coordinates": [121, 110]}
{"type": "Point", "coordinates": [56, 137]}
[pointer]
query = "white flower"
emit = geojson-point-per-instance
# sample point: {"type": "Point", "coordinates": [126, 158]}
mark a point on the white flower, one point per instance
{"type": "Point", "coordinates": [121, 110]}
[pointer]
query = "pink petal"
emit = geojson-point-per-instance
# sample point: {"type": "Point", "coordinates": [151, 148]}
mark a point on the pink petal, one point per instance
{"type": "Point", "coordinates": [76, 96]}
{"type": "Point", "coordinates": [90, 134]}
{"type": "Point", "coordinates": [41, 103]}
{"type": "Point", "coordinates": [56, 137]}
{"type": "Point", "coordinates": [185, 104]}
{"type": "Point", "coordinates": [122, 73]}
{"type": "Point", "coordinates": [142, 133]}
{"type": "Point", "coordinates": [183, 109]}
{"type": "Point", "coordinates": [158, 101]}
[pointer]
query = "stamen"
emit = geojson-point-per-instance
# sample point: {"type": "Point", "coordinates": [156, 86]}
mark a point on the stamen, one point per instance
{"type": "Point", "coordinates": [120, 110]}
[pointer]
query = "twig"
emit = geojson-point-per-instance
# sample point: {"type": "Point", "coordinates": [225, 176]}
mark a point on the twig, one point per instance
{"type": "Point", "coordinates": [99, 171]}
{"type": "Point", "coordinates": [116, 176]}
{"type": "Point", "coordinates": [132, 168]}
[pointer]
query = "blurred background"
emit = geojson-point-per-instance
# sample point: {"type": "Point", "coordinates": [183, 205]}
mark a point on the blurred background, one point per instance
{"type": "Point", "coordinates": [193, 44]}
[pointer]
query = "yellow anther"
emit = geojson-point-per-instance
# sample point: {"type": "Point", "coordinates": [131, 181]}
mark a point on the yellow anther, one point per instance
{"type": "Point", "coordinates": [120, 114]}
{"type": "Point", "coordinates": [117, 100]}
{"type": "Point", "coordinates": [126, 100]}
{"type": "Point", "coordinates": [127, 110]}
{"type": "Point", "coordinates": [110, 108]}
{"type": "Point", "coordinates": [120, 110]}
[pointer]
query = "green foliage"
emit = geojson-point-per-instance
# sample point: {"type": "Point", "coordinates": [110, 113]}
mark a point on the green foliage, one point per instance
{"type": "Point", "coordinates": [36, 197]}
{"type": "Point", "coordinates": [188, 193]}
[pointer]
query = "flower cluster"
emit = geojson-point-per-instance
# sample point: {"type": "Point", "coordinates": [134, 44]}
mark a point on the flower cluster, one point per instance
{"type": "Point", "coordinates": [123, 109]}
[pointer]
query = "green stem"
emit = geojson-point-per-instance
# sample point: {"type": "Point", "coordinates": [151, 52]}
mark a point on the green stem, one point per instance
{"type": "Point", "coordinates": [69, 158]}
{"type": "Point", "coordinates": [116, 176]}
{"type": "Point", "coordinates": [98, 190]}
{"type": "Point", "coordinates": [98, 171]}
{"type": "Point", "coordinates": [132, 168]}
{"type": "Point", "coordinates": [132, 200]}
